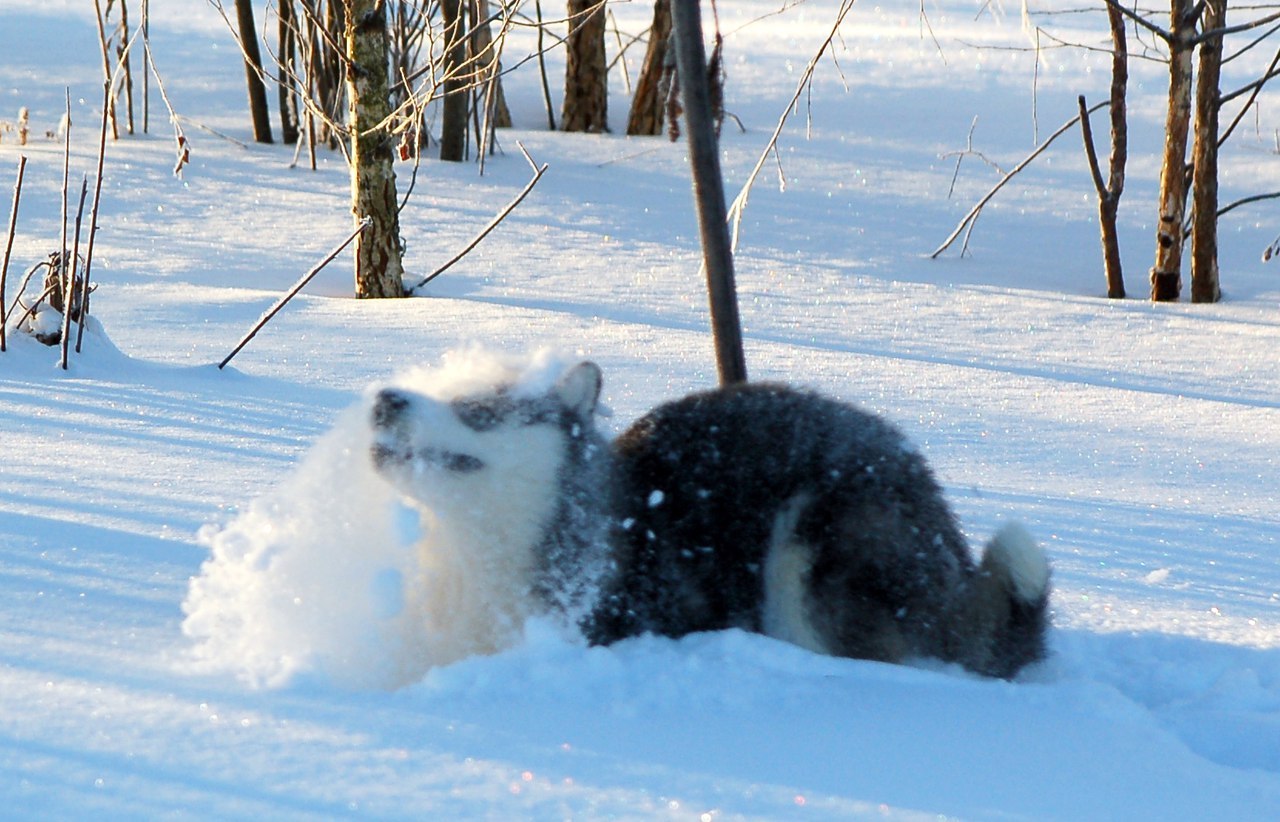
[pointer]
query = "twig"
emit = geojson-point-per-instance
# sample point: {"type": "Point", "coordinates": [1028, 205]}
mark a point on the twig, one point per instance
{"type": "Point", "coordinates": [924, 21]}
{"type": "Point", "coordinates": [8, 246]}
{"type": "Point", "coordinates": [66, 171]}
{"type": "Point", "coordinates": [1223, 32]}
{"type": "Point", "coordinates": [739, 204]}
{"type": "Point", "coordinates": [26, 280]}
{"type": "Point", "coordinates": [968, 150]}
{"type": "Point", "coordinates": [93, 225]}
{"type": "Point", "coordinates": [1140, 20]}
{"type": "Point", "coordinates": [1246, 200]}
{"type": "Point", "coordinates": [31, 308]}
{"type": "Point", "coordinates": [106, 66]}
{"type": "Point", "coordinates": [1257, 89]}
{"type": "Point", "coordinates": [70, 282]}
{"type": "Point", "coordinates": [1090, 152]}
{"type": "Point", "coordinates": [184, 147]}
{"type": "Point", "coordinates": [542, 69]}
{"type": "Point", "coordinates": [293, 292]}
{"type": "Point", "coordinates": [973, 212]}
{"type": "Point", "coordinates": [622, 53]}
{"type": "Point", "coordinates": [538, 171]}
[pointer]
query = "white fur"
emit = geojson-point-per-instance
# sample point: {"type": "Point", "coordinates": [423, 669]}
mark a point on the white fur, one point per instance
{"type": "Point", "coordinates": [1014, 549]}
{"type": "Point", "coordinates": [480, 527]}
{"type": "Point", "coordinates": [786, 574]}
{"type": "Point", "coordinates": [477, 370]}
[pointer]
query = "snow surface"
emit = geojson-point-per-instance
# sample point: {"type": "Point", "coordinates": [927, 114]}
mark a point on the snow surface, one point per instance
{"type": "Point", "coordinates": [1138, 442]}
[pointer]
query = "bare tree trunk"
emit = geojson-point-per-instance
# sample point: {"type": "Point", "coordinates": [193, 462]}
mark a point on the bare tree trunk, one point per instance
{"type": "Point", "coordinates": [708, 187]}
{"type": "Point", "coordinates": [1166, 274]}
{"type": "Point", "coordinates": [453, 116]}
{"type": "Point", "coordinates": [488, 65]}
{"type": "Point", "coordinates": [122, 57]}
{"type": "Point", "coordinates": [1204, 162]}
{"type": "Point", "coordinates": [586, 73]}
{"type": "Point", "coordinates": [378, 266]}
{"type": "Point", "coordinates": [648, 103]}
{"type": "Point", "coordinates": [288, 92]}
{"type": "Point", "coordinates": [106, 69]}
{"type": "Point", "coordinates": [1110, 192]}
{"type": "Point", "coordinates": [253, 72]}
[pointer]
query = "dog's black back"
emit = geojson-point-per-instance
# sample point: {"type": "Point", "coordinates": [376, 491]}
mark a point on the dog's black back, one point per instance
{"type": "Point", "coordinates": [713, 489]}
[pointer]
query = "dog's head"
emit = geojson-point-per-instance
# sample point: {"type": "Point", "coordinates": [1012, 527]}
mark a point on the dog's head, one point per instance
{"type": "Point", "coordinates": [494, 447]}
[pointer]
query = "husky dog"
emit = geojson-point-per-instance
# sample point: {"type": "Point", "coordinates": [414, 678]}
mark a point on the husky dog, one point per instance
{"type": "Point", "coordinates": [510, 476]}
{"type": "Point", "coordinates": [784, 512]}
{"type": "Point", "coordinates": [758, 507]}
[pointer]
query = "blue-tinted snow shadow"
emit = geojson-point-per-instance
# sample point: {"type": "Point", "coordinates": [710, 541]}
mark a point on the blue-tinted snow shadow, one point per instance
{"type": "Point", "coordinates": [1221, 700]}
{"type": "Point", "coordinates": [742, 710]}
{"type": "Point", "coordinates": [1078, 373]}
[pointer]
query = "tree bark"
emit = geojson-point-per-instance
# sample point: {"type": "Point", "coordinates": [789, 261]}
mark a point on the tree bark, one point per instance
{"type": "Point", "coordinates": [649, 101]}
{"type": "Point", "coordinates": [708, 188]}
{"type": "Point", "coordinates": [378, 266]}
{"type": "Point", "coordinates": [1109, 204]}
{"type": "Point", "coordinates": [287, 87]}
{"type": "Point", "coordinates": [253, 72]}
{"type": "Point", "coordinates": [1204, 162]}
{"type": "Point", "coordinates": [586, 73]}
{"type": "Point", "coordinates": [1166, 274]}
{"type": "Point", "coordinates": [122, 57]}
{"type": "Point", "coordinates": [453, 115]}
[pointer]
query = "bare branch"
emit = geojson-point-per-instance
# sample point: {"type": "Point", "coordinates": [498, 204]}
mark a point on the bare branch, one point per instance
{"type": "Point", "coordinates": [1089, 150]}
{"type": "Point", "coordinates": [973, 212]}
{"type": "Point", "coordinates": [1223, 32]}
{"type": "Point", "coordinates": [739, 204]}
{"type": "Point", "coordinates": [1141, 21]}
{"type": "Point", "coordinates": [8, 245]}
{"type": "Point", "coordinates": [538, 171]}
{"type": "Point", "coordinates": [293, 292]}
{"type": "Point", "coordinates": [1246, 200]}
{"type": "Point", "coordinates": [93, 226]}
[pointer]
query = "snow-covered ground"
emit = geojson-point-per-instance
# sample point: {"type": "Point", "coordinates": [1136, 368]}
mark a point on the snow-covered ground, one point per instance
{"type": "Point", "coordinates": [1139, 442]}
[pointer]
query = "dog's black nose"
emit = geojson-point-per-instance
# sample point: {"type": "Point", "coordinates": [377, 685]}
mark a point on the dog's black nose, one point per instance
{"type": "Point", "coordinates": [388, 407]}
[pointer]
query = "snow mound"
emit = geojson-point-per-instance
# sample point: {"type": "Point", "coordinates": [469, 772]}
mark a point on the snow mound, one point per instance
{"type": "Point", "coordinates": [320, 576]}
{"type": "Point", "coordinates": [309, 577]}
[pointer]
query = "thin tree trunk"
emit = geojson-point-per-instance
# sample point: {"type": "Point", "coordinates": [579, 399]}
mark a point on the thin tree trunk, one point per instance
{"type": "Point", "coordinates": [287, 86]}
{"type": "Point", "coordinates": [1166, 274]}
{"type": "Point", "coordinates": [378, 265]}
{"type": "Point", "coordinates": [106, 68]}
{"type": "Point", "coordinates": [253, 72]}
{"type": "Point", "coordinates": [146, 69]}
{"type": "Point", "coordinates": [8, 245]}
{"type": "Point", "coordinates": [453, 115]}
{"type": "Point", "coordinates": [708, 187]}
{"type": "Point", "coordinates": [488, 65]}
{"type": "Point", "coordinates": [542, 68]}
{"type": "Point", "coordinates": [648, 103]}
{"type": "Point", "coordinates": [1204, 162]}
{"type": "Point", "coordinates": [1109, 196]}
{"type": "Point", "coordinates": [586, 100]}
{"type": "Point", "coordinates": [122, 57]}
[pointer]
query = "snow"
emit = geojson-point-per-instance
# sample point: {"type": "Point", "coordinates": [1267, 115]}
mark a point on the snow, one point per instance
{"type": "Point", "coordinates": [1136, 441]}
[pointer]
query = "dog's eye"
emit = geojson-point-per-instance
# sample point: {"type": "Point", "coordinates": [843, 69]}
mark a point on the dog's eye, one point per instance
{"type": "Point", "coordinates": [389, 406]}
{"type": "Point", "coordinates": [460, 463]}
{"type": "Point", "coordinates": [478, 416]}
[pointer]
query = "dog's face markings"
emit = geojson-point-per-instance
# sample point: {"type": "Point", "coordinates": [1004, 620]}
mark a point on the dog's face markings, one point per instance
{"type": "Point", "coordinates": [479, 415]}
{"type": "Point", "coordinates": [417, 436]}
{"type": "Point", "coordinates": [395, 446]}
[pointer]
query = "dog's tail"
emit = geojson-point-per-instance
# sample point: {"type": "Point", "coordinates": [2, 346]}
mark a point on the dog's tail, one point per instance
{"type": "Point", "coordinates": [1007, 609]}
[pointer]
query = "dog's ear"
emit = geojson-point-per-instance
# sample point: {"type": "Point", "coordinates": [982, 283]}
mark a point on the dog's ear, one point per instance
{"type": "Point", "coordinates": [579, 388]}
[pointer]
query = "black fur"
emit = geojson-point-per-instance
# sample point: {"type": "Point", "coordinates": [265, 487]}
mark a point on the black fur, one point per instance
{"type": "Point", "coordinates": [701, 483]}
